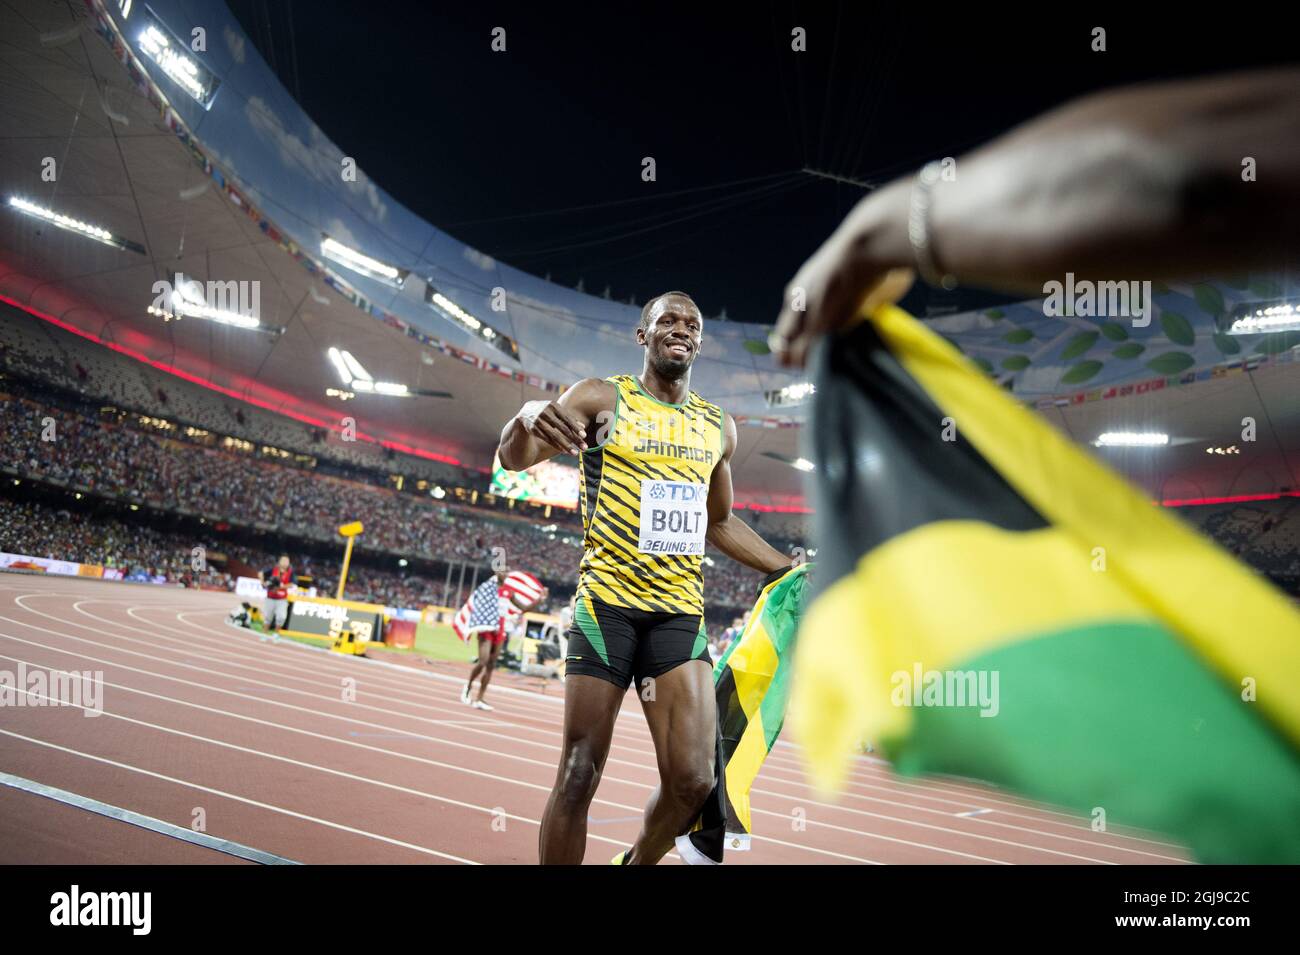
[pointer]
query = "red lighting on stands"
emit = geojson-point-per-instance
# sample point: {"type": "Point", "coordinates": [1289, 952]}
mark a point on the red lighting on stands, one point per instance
{"type": "Point", "coordinates": [228, 392]}
{"type": "Point", "coordinates": [1233, 499]}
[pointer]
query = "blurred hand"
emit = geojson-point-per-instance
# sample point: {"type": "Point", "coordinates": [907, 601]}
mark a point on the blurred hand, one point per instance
{"type": "Point", "coordinates": [835, 289]}
{"type": "Point", "coordinates": [864, 264]}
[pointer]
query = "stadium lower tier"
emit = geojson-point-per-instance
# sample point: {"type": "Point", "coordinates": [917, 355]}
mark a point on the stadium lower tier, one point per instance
{"type": "Point", "coordinates": [100, 457]}
{"type": "Point", "coordinates": [130, 490]}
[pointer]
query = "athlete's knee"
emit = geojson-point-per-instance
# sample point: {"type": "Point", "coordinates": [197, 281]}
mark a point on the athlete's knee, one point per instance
{"type": "Point", "coordinates": [579, 777]}
{"type": "Point", "coordinates": [690, 786]}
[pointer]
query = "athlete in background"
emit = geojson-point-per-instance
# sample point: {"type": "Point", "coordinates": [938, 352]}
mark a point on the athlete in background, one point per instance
{"type": "Point", "coordinates": [656, 484]}
{"type": "Point", "coordinates": [493, 602]}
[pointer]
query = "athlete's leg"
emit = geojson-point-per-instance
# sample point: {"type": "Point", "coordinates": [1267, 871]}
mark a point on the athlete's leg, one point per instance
{"type": "Point", "coordinates": [494, 651]}
{"type": "Point", "coordinates": [484, 657]}
{"type": "Point", "coordinates": [683, 717]}
{"type": "Point", "coordinates": [590, 708]}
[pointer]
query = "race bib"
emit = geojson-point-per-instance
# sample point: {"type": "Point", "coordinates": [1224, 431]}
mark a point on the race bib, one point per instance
{"type": "Point", "coordinates": [674, 517]}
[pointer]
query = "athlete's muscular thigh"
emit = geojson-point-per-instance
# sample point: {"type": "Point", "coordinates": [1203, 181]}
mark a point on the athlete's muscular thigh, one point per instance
{"type": "Point", "coordinates": [682, 714]}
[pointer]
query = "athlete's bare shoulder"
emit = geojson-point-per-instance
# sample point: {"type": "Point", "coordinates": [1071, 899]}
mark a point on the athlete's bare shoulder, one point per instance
{"type": "Point", "coordinates": [589, 397]}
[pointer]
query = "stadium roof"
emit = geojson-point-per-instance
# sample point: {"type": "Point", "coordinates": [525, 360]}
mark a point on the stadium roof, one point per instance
{"type": "Point", "coordinates": [229, 180]}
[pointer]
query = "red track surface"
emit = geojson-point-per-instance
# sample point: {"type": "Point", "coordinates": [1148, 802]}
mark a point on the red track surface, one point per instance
{"type": "Point", "coordinates": [198, 715]}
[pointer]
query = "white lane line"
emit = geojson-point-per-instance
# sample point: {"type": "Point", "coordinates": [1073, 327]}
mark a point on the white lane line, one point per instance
{"type": "Point", "coordinates": [819, 823]}
{"type": "Point", "coordinates": [407, 756]}
{"type": "Point", "coordinates": [332, 739]}
{"type": "Point", "coordinates": [780, 815]}
{"type": "Point", "coordinates": [769, 839]}
{"type": "Point", "coordinates": [159, 826]}
{"type": "Point", "coordinates": [242, 799]}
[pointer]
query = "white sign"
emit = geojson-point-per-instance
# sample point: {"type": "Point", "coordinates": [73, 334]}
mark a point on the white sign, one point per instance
{"type": "Point", "coordinates": [250, 587]}
{"type": "Point", "coordinates": [65, 568]}
{"type": "Point", "coordinates": [674, 517]}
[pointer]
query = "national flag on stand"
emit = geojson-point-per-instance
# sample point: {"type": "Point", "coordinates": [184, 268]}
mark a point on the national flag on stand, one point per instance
{"type": "Point", "coordinates": [751, 684]}
{"type": "Point", "coordinates": [1128, 665]}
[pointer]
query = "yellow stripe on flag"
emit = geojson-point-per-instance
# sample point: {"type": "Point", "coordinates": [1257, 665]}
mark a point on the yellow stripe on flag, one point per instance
{"type": "Point", "coordinates": [752, 666]}
{"type": "Point", "coordinates": [900, 618]}
{"type": "Point", "coordinates": [1205, 596]}
{"type": "Point", "coordinates": [743, 767]}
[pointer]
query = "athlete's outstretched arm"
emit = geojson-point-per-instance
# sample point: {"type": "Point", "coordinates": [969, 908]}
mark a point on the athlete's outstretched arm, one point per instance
{"type": "Point", "coordinates": [543, 429]}
{"type": "Point", "coordinates": [727, 532]}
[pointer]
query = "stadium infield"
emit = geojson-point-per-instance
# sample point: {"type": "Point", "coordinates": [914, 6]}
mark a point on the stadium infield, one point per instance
{"type": "Point", "coordinates": [316, 758]}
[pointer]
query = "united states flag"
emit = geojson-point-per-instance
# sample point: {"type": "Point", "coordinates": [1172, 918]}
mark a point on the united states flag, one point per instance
{"type": "Point", "coordinates": [491, 603]}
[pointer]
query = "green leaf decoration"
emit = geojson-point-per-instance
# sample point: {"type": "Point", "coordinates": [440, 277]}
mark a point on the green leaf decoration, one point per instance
{"type": "Point", "coordinates": [1129, 350]}
{"type": "Point", "coordinates": [1115, 331]}
{"type": "Point", "coordinates": [756, 346]}
{"type": "Point", "coordinates": [1079, 344]}
{"type": "Point", "coordinates": [1015, 363]}
{"type": "Point", "coordinates": [1209, 299]}
{"type": "Point", "coordinates": [1081, 372]}
{"type": "Point", "coordinates": [1171, 363]}
{"type": "Point", "coordinates": [1178, 329]}
{"type": "Point", "coordinates": [1265, 288]}
{"type": "Point", "coordinates": [1227, 344]}
{"type": "Point", "coordinates": [1018, 337]}
{"type": "Point", "coordinates": [995, 313]}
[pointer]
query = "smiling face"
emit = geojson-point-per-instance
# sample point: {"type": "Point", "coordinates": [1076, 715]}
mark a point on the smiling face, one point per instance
{"type": "Point", "coordinates": [671, 329]}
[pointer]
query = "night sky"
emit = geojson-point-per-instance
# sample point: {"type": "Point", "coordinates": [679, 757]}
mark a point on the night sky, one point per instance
{"type": "Point", "coordinates": [491, 147]}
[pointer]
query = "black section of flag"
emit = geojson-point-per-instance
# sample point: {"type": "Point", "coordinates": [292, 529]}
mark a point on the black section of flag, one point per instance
{"type": "Point", "coordinates": [883, 466]}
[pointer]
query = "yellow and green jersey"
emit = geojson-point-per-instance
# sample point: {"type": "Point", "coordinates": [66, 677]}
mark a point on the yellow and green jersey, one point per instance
{"type": "Point", "coordinates": [644, 499]}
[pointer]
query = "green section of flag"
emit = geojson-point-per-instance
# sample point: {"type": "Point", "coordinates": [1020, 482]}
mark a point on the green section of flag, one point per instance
{"type": "Point", "coordinates": [752, 686]}
{"type": "Point", "coordinates": [1151, 739]}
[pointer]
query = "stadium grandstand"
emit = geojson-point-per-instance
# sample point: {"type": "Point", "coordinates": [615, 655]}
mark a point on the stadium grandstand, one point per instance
{"type": "Point", "coordinates": [222, 343]}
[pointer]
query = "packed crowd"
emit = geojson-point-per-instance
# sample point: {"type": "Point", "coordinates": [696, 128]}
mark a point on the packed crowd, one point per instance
{"type": "Point", "coordinates": [145, 553]}
{"type": "Point", "coordinates": [42, 352]}
{"type": "Point", "coordinates": [1265, 536]}
{"type": "Point", "coordinates": [106, 457]}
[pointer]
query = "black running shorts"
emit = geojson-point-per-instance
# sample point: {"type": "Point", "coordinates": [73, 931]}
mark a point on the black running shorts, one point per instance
{"type": "Point", "coordinates": [622, 645]}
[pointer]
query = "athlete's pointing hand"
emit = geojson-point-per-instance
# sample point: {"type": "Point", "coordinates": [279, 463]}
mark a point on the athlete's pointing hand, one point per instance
{"type": "Point", "coordinates": [547, 421]}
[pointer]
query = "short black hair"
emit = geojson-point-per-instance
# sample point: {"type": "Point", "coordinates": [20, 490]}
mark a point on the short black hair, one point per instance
{"type": "Point", "coordinates": [645, 310]}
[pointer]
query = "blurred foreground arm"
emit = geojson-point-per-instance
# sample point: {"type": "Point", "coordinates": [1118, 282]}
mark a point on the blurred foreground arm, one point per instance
{"type": "Point", "coordinates": [1161, 180]}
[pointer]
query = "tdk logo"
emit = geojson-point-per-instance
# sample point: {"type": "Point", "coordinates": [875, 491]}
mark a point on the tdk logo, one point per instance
{"type": "Point", "coordinates": [681, 493]}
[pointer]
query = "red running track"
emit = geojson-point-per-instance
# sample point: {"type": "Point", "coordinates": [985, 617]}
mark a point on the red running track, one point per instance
{"type": "Point", "coordinates": [323, 759]}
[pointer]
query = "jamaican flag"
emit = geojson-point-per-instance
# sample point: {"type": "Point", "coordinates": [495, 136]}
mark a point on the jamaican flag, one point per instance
{"type": "Point", "coordinates": [993, 602]}
{"type": "Point", "coordinates": [752, 683]}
